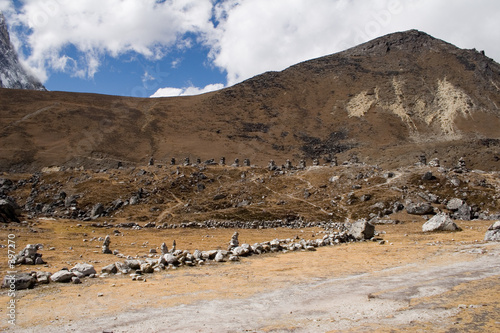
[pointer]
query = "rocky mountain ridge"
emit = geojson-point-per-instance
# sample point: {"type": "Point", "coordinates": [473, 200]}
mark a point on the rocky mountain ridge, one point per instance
{"type": "Point", "coordinates": [12, 74]}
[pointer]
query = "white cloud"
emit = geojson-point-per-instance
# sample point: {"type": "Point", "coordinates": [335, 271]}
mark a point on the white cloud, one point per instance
{"type": "Point", "coordinates": [188, 91]}
{"type": "Point", "coordinates": [113, 27]}
{"type": "Point", "coordinates": [260, 35]}
{"type": "Point", "coordinates": [252, 36]}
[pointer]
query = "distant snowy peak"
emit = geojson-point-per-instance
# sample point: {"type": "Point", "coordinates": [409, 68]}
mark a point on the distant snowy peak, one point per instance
{"type": "Point", "coordinates": [12, 74]}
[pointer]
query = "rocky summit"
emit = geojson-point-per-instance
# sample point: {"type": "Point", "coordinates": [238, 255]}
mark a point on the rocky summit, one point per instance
{"type": "Point", "coordinates": [12, 73]}
{"type": "Point", "coordinates": [384, 102]}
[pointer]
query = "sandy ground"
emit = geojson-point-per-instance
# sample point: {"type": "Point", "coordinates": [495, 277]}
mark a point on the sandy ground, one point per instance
{"type": "Point", "coordinates": [442, 282]}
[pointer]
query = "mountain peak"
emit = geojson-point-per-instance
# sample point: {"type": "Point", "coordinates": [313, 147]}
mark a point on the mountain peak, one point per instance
{"type": "Point", "coordinates": [12, 74]}
{"type": "Point", "coordinates": [410, 40]}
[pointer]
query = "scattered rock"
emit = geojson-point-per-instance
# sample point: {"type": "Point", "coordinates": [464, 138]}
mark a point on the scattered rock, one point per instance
{"type": "Point", "coordinates": [419, 208]}
{"type": "Point", "coordinates": [84, 269]}
{"type": "Point", "coordinates": [19, 281]}
{"type": "Point", "coordinates": [62, 276]}
{"type": "Point", "coordinates": [110, 269]}
{"type": "Point", "coordinates": [493, 233]}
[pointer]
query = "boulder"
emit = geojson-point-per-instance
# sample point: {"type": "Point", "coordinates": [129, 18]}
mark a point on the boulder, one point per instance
{"type": "Point", "coordinates": [110, 269]}
{"type": "Point", "coordinates": [464, 213]}
{"type": "Point", "coordinates": [62, 276]}
{"type": "Point", "coordinates": [84, 269]}
{"type": "Point", "coordinates": [493, 233]}
{"type": "Point", "coordinates": [43, 277]}
{"type": "Point", "coordinates": [219, 257]}
{"type": "Point", "coordinates": [440, 222]}
{"type": "Point", "coordinates": [362, 229]}
{"type": "Point", "coordinates": [19, 281]}
{"type": "Point", "coordinates": [170, 259]}
{"type": "Point", "coordinates": [123, 268]}
{"type": "Point", "coordinates": [96, 211]}
{"type": "Point", "coordinates": [147, 268]}
{"type": "Point", "coordinates": [8, 211]}
{"type": "Point", "coordinates": [133, 263]}
{"type": "Point", "coordinates": [419, 208]}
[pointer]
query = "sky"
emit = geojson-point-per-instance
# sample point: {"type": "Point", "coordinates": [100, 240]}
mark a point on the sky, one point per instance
{"type": "Point", "coordinates": [155, 48]}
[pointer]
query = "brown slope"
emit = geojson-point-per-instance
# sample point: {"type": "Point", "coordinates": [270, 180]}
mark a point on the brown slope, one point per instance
{"type": "Point", "coordinates": [388, 101]}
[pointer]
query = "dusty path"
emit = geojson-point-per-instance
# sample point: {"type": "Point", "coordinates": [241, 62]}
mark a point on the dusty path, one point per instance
{"type": "Point", "coordinates": [394, 297]}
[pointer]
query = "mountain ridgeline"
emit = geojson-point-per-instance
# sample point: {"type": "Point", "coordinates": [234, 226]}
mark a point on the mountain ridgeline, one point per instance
{"type": "Point", "coordinates": [386, 102]}
{"type": "Point", "coordinates": [12, 74]}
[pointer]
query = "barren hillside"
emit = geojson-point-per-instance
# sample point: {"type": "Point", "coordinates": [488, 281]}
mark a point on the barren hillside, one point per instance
{"type": "Point", "coordinates": [386, 101]}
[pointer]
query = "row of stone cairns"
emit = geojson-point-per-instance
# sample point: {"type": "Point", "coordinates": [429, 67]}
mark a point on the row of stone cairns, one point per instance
{"type": "Point", "coordinates": [332, 160]}
{"type": "Point", "coordinates": [359, 230]}
{"type": "Point", "coordinates": [173, 258]}
{"type": "Point", "coordinates": [246, 163]}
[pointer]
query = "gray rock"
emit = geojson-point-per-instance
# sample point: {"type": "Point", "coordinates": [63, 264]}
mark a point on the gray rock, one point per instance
{"type": "Point", "coordinates": [123, 268]}
{"type": "Point", "coordinates": [419, 208]}
{"type": "Point", "coordinates": [164, 248]}
{"type": "Point", "coordinates": [362, 229]}
{"type": "Point", "coordinates": [147, 268]}
{"type": "Point", "coordinates": [454, 204]}
{"type": "Point", "coordinates": [97, 211]}
{"type": "Point", "coordinates": [132, 263]}
{"type": "Point", "coordinates": [428, 176]}
{"type": "Point", "coordinates": [440, 222]}
{"type": "Point", "coordinates": [62, 276]}
{"type": "Point", "coordinates": [464, 213]}
{"type": "Point", "coordinates": [43, 277]}
{"type": "Point", "coordinates": [219, 257]}
{"type": "Point", "coordinates": [170, 259]}
{"type": "Point", "coordinates": [110, 269]}
{"type": "Point", "coordinates": [493, 233]}
{"type": "Point", "coordinates": [85, 269]}
{"type": "Point", "coordinates": [19, 281]}
{"type": "Point", "coordinates": [8, 211]}
{"type": "Point", "coordinates": [76, 280]}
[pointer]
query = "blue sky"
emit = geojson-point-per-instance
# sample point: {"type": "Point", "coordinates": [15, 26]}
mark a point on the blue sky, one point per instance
{"type": "Point", "coordinates": [182, 47]}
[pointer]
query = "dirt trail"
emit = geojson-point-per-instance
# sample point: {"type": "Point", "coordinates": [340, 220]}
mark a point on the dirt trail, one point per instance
{"type": "Point", "coordinates": [367, 302]}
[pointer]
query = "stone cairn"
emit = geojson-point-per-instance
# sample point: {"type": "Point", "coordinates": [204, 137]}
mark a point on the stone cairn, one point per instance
{"type": "Point", "coordinates": [246, 162]}
{"type": "Point", "coordinates": [288, 165]}
{"type": "Point", "coordinates": [422, 160]}
{"type": "Point", "coordinates": [172, 161]}
{"type": "Point", "coordinates": [272, 166]}
{"type": "Point", "coordinates": [236, 163]}
{"type": "Point", "coordinates": [315, 162]}
{"type": "Point", "coordinates": [222, 161]}
{"type": "Point", "coordinates": [105, 245]}
{"type": "Point", "coordinates": [233, 243]}
{"type": "Point", "coordinates": [302, 164]}
{"type": "Point", "coordinates": [29, 255]}
{"type": "Point", "coordinates": [434, 163]}
{"type": "Point", "coordinates": [186, 161]}
{"type": "Point", "coordinates": [461, 167]}
{"type": "Point", "coordinates": [164, 248]}
{"type": "Point", "coordinates": [151, 161]}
